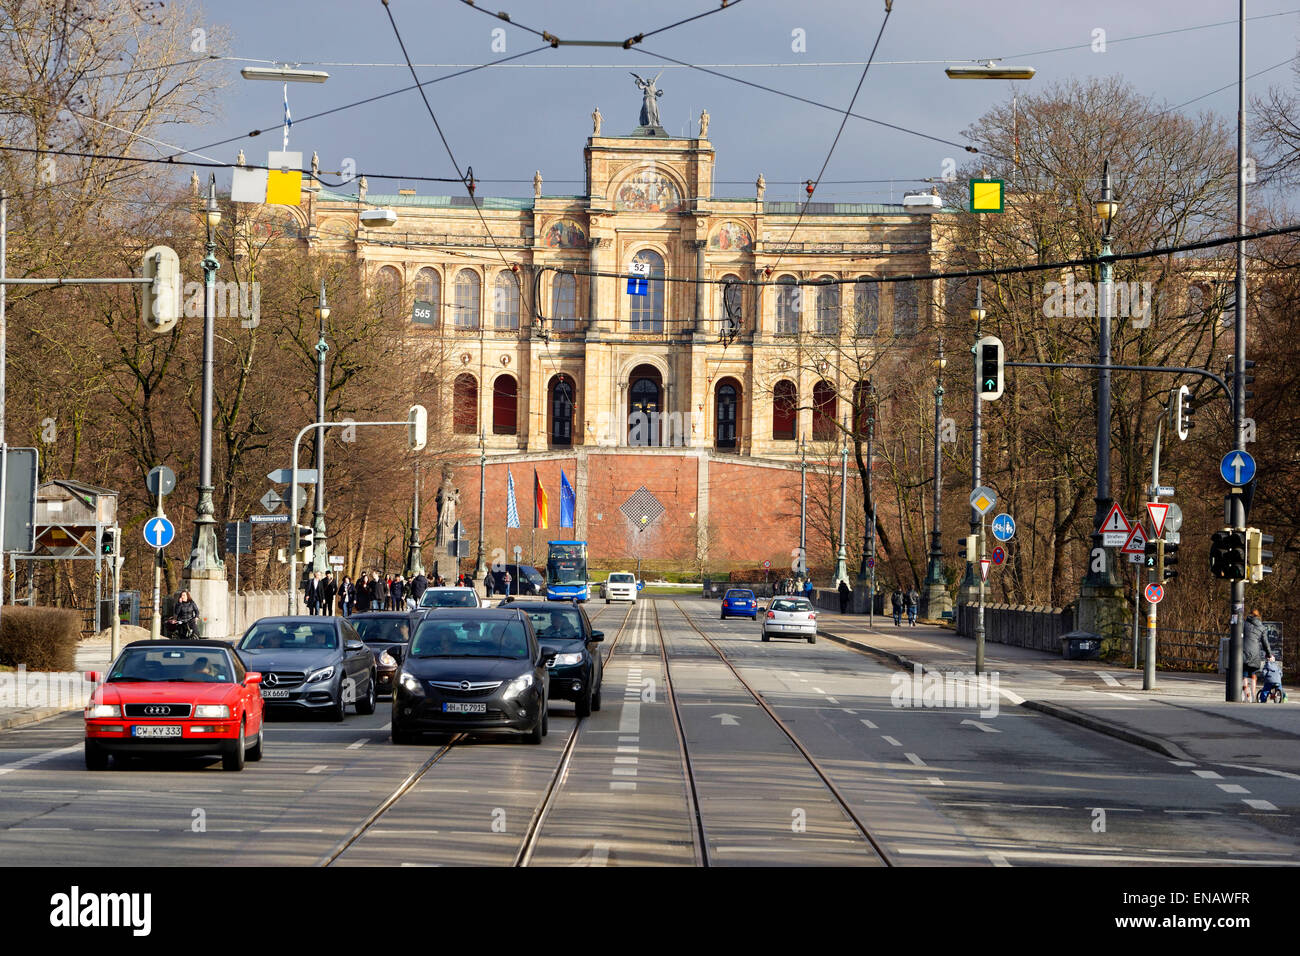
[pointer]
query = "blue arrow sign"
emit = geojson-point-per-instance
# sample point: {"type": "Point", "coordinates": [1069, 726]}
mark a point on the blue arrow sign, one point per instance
{"type": "Point", "coordinates": [158, 532]}
{"type": "Point", "coordinates": [640, 585]}
{"type": "Point", "coordinates": [1237, 467]}
{"type": "Point", "coordinates": [1004, 527]}
{"type": "Point", "coordinates": [637, 285]}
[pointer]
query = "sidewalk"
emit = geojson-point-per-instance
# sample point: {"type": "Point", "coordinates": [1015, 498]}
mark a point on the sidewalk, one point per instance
{"type": "Point", "coordinates": [1185, 717]}
{"type": "Point", "coordinates": [92, 655]}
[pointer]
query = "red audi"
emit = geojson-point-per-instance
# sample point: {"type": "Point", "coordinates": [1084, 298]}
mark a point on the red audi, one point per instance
{"type": "Point", "coordinates": [188, 698]}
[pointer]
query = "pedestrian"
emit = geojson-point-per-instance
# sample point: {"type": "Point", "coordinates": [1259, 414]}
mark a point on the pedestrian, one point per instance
{"type": "Point", "coordinates": [347, 595]}
{"type": "Point", "coordinates": [419, 584]}
{"type": "Point", "coordinates": [1255, 649]}
{"type": "Point", "coordinates": [846, 595]}
{"type": "Point", "coordinates": [185, 616]}
{"type": "Point", "coordinates": [507, 579]}
{"type": "Point", "coordinates": [328, 590]}
{"type": "Point", "coordinates": [896, 602]}
{"type": "Point", "coordinates": [913, 605]}
{"type": "Point", "coordinates": [487, 583]}
{"type": "Point", "coordinates": [379, 586]}
{"type": "Point", "coordinates": [808, 588]}
{"type": "Point", "coordinates": [399, 592]}
{"type": "Point", "coordinates": [311, 592]}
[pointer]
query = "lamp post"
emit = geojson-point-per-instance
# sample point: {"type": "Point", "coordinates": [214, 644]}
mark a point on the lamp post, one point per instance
{"type": "Point", "coordinates": [841, 557]}
{"type": "Point", "coordinates": [205, 573]}
{"type": "Point", "coordinates": [414, 562]}
{"type": "Point", "coordinates": [970, 587]}
{"type": "Point", "coordinates": [319, 555]}
{"type": "Point", "coordinates": [869, 539]}
{"type": "Point", "coordinates": [1101, 595]}
{"type": "Point", "coordinates": [480, 571]}
{"type": "Point", "coordinates": [802, 570]}
{"type": "Point", "coordinates": [936, 599]}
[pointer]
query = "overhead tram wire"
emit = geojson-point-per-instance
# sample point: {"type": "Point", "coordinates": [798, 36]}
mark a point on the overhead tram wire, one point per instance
{"type": "Point", "coordinates": [812, 188]}
{"type": "Point", "coordinates": [626, 44]}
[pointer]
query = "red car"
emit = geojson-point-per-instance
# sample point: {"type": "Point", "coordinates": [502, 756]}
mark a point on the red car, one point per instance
{"type": "Point", "coordinates": [188, 698]}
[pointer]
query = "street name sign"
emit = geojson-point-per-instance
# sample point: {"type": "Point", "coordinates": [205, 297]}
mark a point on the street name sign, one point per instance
{"type": "Point", "coordinates": [269, 519]}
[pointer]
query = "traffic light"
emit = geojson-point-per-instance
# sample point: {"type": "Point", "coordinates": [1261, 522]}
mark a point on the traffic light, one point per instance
{"type": "Point", "coordinates": [305, 538]}
{"type": "Point", "coordinates": [1230, 373]}
{"type": "Point", "coordinates": [1150, 553]}
{"type": "Point", "coordinates": [1171, 558]}
{"type": "Point", "coordinates": [417, 428]}
{"type": "Point", "coordinates": [990, 357]}
{"type": "Point", "coordinates": [160, 301]}
{"type": "Point", "coordinates": [108, 542]}
{"type": "Point", "coordinates": [1228, 554]}
{"type": "Point", "coordinates": [1183, 409]}
{"type": "Point", "coordinates": [1256, 556]}
{"type": "Point", "coordinates": [969, 545]}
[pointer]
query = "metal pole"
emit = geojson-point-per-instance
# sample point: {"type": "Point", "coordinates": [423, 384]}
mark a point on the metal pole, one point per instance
{"type": "Point", "coordinates": [1149, 664]}
{"type": "Point", "coordinates": [871, 471]}
{"type": "Point", "coordinates": [934, 573]}
{"type": "Point", "coordinates": [155, 626]}
{"type": "Point", "coordinates": [976, 433]}
{"type": "Point", "coordinates": [841, 558]}
{"type": "Point", "coordinates": [115, 642]}
{"type": "Point", "coordinates": [803, 510]}
{"type": "Point", "coordinates": [979, 627]}
{"type": "Point", "coordinates": [320, 548]}
{"type": "Point", "coordinates": [1232, 691]}
{"type": "Point", "coordinates": [1104, 578]}
{"type": "Point", "coordinates": [480, 570]}
{"type": "Point", "coordinates": [205, 557]}
{"type": "Point", "coordinates": [4, 333]}
{"type": "Point", "coordinates": [414, 560]}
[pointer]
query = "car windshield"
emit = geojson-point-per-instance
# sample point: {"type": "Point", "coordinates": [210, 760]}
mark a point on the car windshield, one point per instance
{"type": "Point", "coordinates": [622, 579]}
{"type": "Point", "coordinates": [203, 665]}
{"type": "Point", "coordinates": [739, 595]}
{"type": "Point", "coordinates": [290, 636]}
{"type": "Point", "coordinates": [788, 605]}
{"type": "Point", "coordinates": [470, 637]}
{"type": "Point", "coordinates": [437, 597]}
{"type": "Point", "coordinates": [383, 630]}
{"type": "Point", "coordinates": [556, 622]}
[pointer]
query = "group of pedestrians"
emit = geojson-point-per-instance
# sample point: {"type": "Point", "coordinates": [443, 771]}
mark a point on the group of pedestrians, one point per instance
{"type": "Point", "coordinates": [371, 592]}
{"type": "Point", "coordinates": [909, 601]}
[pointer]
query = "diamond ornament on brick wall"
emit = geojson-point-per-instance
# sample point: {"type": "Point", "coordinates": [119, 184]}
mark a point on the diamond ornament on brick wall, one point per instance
{"type": "Point", "coordinates": [642, 508]}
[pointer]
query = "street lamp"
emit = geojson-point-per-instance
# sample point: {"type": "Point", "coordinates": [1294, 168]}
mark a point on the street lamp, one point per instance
{"type": "Point", "coordinates": [319, 557]}
{"type": "Point", "coordinates": [970, 586]}
{"type": "Point", "coordinates": [989, 71]}
{"type": "Point", "coordinates": [205, 573]}
{"type": "Point", "coordinates": [803, 508]}
{"type": "Point", "coordinates": [936, 597]}
{"type": "Point", "coordinates": [480, 571]}
{"type": "Point", "coordinates": [414, 561]}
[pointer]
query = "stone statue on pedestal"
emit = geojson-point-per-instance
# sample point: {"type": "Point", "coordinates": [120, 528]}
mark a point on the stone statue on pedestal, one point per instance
{"type": "Point", "coordinates": [595, 121]}
{"type": "Point", "coordinates": [447, 499]}
{"type": "Point", "coordinates": [650, 100]}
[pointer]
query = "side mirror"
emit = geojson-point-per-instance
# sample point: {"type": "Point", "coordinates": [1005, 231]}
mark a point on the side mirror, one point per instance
{"type": "Point", "coordinates": [252, 677]}
{"type": "Point", "coordinates": [354, 646]}
{"type": "Point", "coordinates": [597, 636]}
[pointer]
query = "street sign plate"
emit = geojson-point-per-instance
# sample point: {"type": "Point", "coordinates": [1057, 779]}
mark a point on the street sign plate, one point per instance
{"type": "Point", "coordinates": [1158, 512]}
{"type": "Point", "coordinates": [1135, 559]}
{"type": "Point", "coordinates": [985, 563]}
{"type": "Point", "coordinates": [1004, 527]}
{"type": "Point", "coordinates": [22, 466]}
{"type": "Point", "coordinates": [158, 532]}
{"type": "Point", "coordinates": [271, 500]}
{"type": "Point", "coordinates": [999, 556]}
{"type": "Point", "coordinates": [160, 480]}
{"type": "Point", "coordinates": [1165, 491]}
{"type": "Point", "coordinates": [1154, 593]}
{"type": "Point", "coordinates": [1173, 537]}
{"type": "Point", "coordinates": [518, 552]}
{"type": "Point", "coordinates": [1136, 543]}
{"type": "Point", "coordinates": [336, 560]}
{"type": "Point", "coordinates": [983, 499]}
{"type": "Point", "coordinates": [282, 476]}
{"type": "Point", "coordinates": [1174, 520]}
{"type": "Point", "coordinates": [1237, 467]}
{"type": "Point", "coordinates": [269, 519]}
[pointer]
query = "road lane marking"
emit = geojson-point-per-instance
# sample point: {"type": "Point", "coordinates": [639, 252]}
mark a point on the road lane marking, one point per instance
{"type": "Point", "coordinates": [624, 771]}
{"type": "Point", "coordinates": [40, 758]}
{"type": "Point", "coordinates": [1208, 774]}
{"type": "Point", "coordinates": [914, 760]}
{"type": "Point", "coordinates": [997, 859]}
{"type": "Point", "coordinates": [847, 711]}
{"type": "Point", "coordinates": [621, 785]}
{"type": "Point", "coordinates": [628, 740]}
{"type": "Point", "coordinates": [1182, 763]}
{"type": "Point", "coordinates": [631, 760]}
{"type": "Point", "coordinates": [357, 744]}
{"type": "Point", "coordinates": [1275, 773]}
{"type": "Point", "coordinates": [832, 700]}
{"type": "Point", "coordinates": [1109, 679]}
{"type": "Point", "coordinates": [1232, 788]}
{"type": "Point", "coordinates": [127, 830]}
{"type": "Point", "coordinates": [890, 740]}
{"type": "Point", "coordinates": [868, 723]}
{"type": "Point", "coordinates": [1123, 696]}
{"type": "Point", "coordinates": [818, 690]}
{"type": "Point", "coordinates": [934, 781]}
{"type": "Point", "coordinates": [318, 768]}
{"type": "Point", "coordinates": [1260, 804]}
{"type": "Point", "coordinates": [289, 830]}
{"type": "Point", "coordinates": [629, 749]}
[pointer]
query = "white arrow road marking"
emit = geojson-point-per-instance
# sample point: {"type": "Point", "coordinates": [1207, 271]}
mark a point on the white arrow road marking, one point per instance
{"type": "Point", "coordinates": [982, 726]}
{"type": "Point", "coordinates": [727, 719]}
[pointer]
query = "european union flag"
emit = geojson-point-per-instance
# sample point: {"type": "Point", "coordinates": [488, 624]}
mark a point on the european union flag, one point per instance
{"type": "Point", "coordinates": [512, 509]}
{"type": "Point", "coordinates": [568, 501]}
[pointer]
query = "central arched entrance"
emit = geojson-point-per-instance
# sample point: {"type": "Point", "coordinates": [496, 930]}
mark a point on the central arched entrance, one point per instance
{"type": "Point", "coordinates": [726, 403]}
{"type": "Point", "coordinates": [645, 390]}
{"type": "Point", "coordinates": [562, 400]}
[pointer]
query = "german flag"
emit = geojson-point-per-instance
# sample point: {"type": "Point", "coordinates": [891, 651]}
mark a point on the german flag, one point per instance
{"type": "Point", "coordinates": [539, 503]}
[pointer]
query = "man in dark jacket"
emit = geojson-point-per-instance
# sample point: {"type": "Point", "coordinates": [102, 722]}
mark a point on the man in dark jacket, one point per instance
{"type": "Point", "coordinates": [846, 595]}
{"type": "Point", "coordinates": [311, 593]}
{"type": "Point", "coordinates": [328, 590]}
{"type": "Point", "coordinates": [896, 601]}
{"type": "Point", "coordinates": [419, 584]}
{"type": "Point", "coordinates": [399, 593]}
{"type": "Point", "coordinates": [1255, 649]}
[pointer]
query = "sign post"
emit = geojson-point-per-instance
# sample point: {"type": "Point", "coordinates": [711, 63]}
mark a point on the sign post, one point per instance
{"type": "Point", "coordinates": [982, 499]}
{"type": "Point", "coordinates": [160, 482]}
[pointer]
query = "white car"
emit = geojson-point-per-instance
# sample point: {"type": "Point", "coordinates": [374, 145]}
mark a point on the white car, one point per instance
{"type": "Point", "coordinates": [620, 586]}
{"type": "Point", "coordinates": [790, 617]}
{"type": "Point", "coordinates": [448, 597]}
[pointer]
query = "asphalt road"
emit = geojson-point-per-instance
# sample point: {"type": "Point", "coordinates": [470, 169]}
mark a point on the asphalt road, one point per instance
{"type": "Point", "coordinates": [681, 766]}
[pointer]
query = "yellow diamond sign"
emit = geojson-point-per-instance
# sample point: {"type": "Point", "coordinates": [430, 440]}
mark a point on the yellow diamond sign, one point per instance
{"type": "Point", "coordinates": [983, 499]}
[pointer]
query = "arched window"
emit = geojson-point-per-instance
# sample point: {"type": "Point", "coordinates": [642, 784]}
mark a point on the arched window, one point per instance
{"type": "Point", "coordinates": [562, 400]}
{"type": "Point", "coordinates": [388, 291]}
{"type": "Point", "coordinates": [789, 303]}
{"type": "Point", "coordinates": [828, 308]}
{"type": "Point", "coordinates": [726, 404]}
{"type": "Point", "coordinates": [823, 423]}
{"type": "Point", "coordinates": [645, 404]}
{"type": "Point", "coordinates": [428, 289]}
{"type": "Point", "coordinates": [505, 405]}
{"type": "Point", "coordinates": [731, 306]}
{"type": "Point", "coordinates": [785, 410]}
{"type": "Point", "coordinates": [465, 307]}
{"type": "Point", "coordinates": [646, 312]}
{"type": "Point", "coordinates": [464, 405]}
{"type": "Point", "coordinates": [866, 307]}
{"type": "Point", "coordinates": [564, 303]}
{"type": "Point", "coordinates": [906, 308]}
{"type": "Point", "coordinates": [505, 301]}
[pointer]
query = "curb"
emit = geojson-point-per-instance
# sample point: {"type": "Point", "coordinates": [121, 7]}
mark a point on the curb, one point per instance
{"type": "Point", "coordinates": [34, 716]}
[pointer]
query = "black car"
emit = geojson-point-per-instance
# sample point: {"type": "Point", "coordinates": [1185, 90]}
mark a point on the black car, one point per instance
{"type": "Point", "coordinates": [474, 670]}
{"type": "Point", "coordinates": [387, 634]}
{"type": "Point", "coordinates": [524, 580]}
{"type": "Point", "coordinates": [574, 663]}
{"type": "Point", "coordinates": [311, 663]}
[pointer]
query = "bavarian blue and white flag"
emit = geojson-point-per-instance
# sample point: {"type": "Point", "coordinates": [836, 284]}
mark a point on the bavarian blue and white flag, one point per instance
{"type": "Point", "coordinates": [288, 120]}
{"type": "Point", "coordinates": [512, 510]}
{"type": "Point", "coordinates": [568, 501]}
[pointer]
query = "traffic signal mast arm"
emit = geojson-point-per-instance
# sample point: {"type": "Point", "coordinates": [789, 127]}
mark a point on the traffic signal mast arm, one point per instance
{"type": "Point", "coordinates": [1176, 370]}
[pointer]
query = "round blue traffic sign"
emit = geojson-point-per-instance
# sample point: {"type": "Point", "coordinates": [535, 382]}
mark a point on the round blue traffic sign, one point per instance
{"type": "Point", "coordinates": [1004, 527]}
{"type": "Point", "coordinates": [640, 585]}
{"type": "Point", "coordinates": [1237, 467]}
{"type": "Point", "coordinates": [158, 532]}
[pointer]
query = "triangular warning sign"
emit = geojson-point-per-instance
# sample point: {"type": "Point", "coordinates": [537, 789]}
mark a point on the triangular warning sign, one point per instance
{"type": "Point", "coordinates": [985, 563]}
{"type": "Point", "coordinates": [1158, 512]}
{"type": "Point", "coordinates": [1115, 520]}
{"type": "Point", "coordinates": [1137, 541]}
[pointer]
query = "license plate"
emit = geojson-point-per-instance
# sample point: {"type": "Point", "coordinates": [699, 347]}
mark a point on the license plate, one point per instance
{"type": "Point", "coordinates": [449, 707]}
{"type": "Point", "coordinates": [172, 730]}
{"type": "Point", "coordinates": [267, 693]}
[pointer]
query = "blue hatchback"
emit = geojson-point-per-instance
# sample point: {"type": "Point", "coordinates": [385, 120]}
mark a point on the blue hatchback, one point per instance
{"type": "Point", "coordinates": [739, 602]}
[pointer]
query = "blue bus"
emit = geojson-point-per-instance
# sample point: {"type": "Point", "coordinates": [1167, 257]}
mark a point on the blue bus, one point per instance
{"type": "Point", "coordinates": [566, 571]}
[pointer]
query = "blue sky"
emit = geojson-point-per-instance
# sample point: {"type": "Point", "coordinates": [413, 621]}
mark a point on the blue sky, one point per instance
{"type": "Point", "coordinates": [507, 122]}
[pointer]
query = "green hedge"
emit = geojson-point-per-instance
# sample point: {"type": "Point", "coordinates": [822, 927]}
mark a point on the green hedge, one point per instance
{"type": "Point", "coordinates": [39, 638]}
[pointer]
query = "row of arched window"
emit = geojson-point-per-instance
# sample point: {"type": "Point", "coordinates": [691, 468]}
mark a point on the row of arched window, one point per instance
{"type": "Point", "coordinates": [826, 425]}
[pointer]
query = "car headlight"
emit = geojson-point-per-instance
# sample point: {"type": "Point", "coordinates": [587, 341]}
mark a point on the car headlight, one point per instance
{"type": "Point", "coordinates": [211, 711]}
{"type": "Point", "coordinates": [564, 660]}
{"type": "Point", "coordinates": [518, 686]}
{"type": "Point", "coordinates": [324, 673]}
{"type": "Point", "coordinates": [103, 710]}
{"type": "Point", "coordinates": [387, 659]}
{"type": "Point", "coordinates": [411, 682]}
